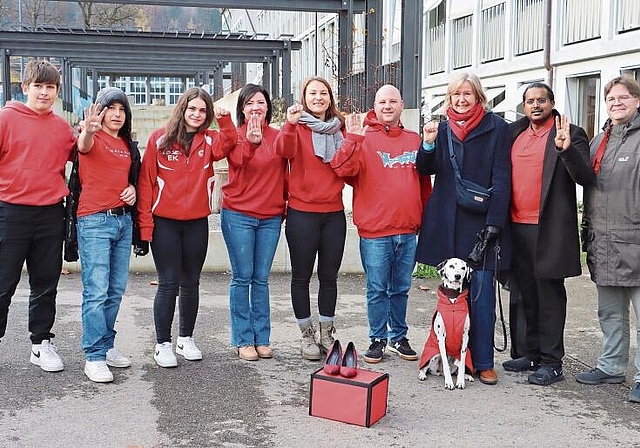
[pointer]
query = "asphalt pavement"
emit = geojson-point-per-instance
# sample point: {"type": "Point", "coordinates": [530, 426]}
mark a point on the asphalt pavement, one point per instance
{"type": "Point", "coordinates": [223, 401]}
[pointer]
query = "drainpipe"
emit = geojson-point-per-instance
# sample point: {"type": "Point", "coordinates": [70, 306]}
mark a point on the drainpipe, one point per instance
{"type": "Point", "coordinates": [547, 43]}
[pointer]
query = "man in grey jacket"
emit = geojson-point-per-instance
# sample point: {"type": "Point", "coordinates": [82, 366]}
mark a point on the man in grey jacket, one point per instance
{"type": "Point", "coordinates": [611, 231]}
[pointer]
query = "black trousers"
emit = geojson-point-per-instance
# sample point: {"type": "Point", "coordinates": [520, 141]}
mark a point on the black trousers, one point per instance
{"type": "Point", "coordinates": [309, 234]}
{"type": "Point", "coordinates": [544, 300]}
{"type": "Point", "coordinates": [33, 234]}
{"type": "Point", "coordinates": [179, 249]}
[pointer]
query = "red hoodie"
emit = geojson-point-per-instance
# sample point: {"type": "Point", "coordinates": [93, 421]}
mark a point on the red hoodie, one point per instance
{"type": "Point", "coordinates": [257, 184]}
{"type": "Point", "coordinates": [34, 150]}
{"type": "Point", "coordinates": [178, 187]}
{"type": "Point", "coordinates": [313, 186]}
{"type": "Point", "coordinates": [386, 186]}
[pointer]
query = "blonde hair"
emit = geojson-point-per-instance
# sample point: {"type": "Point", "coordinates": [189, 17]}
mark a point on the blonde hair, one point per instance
{"type": "Point", "coordinates": [460, 79]}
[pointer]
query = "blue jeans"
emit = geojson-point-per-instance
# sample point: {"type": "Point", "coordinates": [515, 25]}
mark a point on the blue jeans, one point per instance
{"type": "Point", "coordinates": [388, 266]}
{"type": "Point", "coordinates": [104, 245]}
{"type": "Point", "coordinates": [482, 304]}
{"type": "Point", "coordinates": [251, 244]}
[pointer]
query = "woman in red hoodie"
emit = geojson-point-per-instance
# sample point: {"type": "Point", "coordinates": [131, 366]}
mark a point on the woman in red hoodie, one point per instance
{"type": "Point", "coordinates": [175, 190]}
{"type": "Point", "coordinates": [253, 204]}
{"type": "Point", "coordinates": [316, 223]}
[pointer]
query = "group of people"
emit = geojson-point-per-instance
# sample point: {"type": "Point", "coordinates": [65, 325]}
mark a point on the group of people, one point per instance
{"type": "Point", "coordinates": [529, 223]}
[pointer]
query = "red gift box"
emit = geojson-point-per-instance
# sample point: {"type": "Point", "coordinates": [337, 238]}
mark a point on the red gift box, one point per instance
{"type": "Point", "coordinates": [361, 400]}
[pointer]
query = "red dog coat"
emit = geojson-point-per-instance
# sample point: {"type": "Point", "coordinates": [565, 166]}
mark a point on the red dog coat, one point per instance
{"type": "Point", "coordinates": [454, 315]}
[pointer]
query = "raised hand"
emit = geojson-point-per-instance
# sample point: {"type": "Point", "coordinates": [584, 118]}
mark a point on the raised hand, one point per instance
{"type": "Point", "coordinates": [353, 123]}
{"type": "Point", "coordinates": [254, 129]}
{"type": "Point", "coordinates": [93, 116]}
{"type": "Point", "coordinates": [220, 112]}
{"type": "Point", "coordinates": [430, 131]}
{"type": "Point", "coordinates": [294, 113]}
{"type": "Point", "coordinates": [563, 135]}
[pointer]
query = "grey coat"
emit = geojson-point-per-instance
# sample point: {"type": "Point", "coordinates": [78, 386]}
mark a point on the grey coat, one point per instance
{"type": "Point", "coordinates": [611, 223]}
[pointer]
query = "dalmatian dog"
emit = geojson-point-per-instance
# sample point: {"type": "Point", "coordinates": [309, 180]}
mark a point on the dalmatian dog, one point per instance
{"type": "Point", "coordinates": [445, 350]}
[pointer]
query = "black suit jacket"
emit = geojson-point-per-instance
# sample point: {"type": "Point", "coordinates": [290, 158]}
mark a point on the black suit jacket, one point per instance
{"type": "Point", "coordinates": [558, 248]}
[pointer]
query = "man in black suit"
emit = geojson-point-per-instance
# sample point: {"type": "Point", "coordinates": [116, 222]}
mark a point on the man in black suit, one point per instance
{"type": "Point", "coordinates": [549, 156]}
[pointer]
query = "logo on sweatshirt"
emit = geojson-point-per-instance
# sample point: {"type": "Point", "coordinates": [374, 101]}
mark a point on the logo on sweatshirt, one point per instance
{"type": "Point", "coordinates": [406, 158]}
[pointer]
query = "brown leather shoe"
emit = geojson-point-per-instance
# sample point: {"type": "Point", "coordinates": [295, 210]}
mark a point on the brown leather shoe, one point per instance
{"type": "Point", "coordinates": [264, 351]}
{"type": "Point", "coordinates": [248, 353]}
{"type": "Point", "coordinates": [489, 376]}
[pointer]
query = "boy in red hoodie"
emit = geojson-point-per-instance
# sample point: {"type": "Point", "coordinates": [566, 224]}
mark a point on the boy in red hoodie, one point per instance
{"type": "Point", "coordinates": [35, 145]}
{"type": "Point", "coordinates": [387, 209]}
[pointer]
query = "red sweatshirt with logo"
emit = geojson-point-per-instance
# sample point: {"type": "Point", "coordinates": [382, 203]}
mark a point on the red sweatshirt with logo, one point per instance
{"type": "Point", "coordinates": [257, 184]}
{"type": "Point", "coordinates": [386, 186]}
{"type": "Point", "coordinates": [313, 186]}
{"type": "Point", "coordinates": [34, 149]}
{"type": "Point", "coordinates": [172, 185]}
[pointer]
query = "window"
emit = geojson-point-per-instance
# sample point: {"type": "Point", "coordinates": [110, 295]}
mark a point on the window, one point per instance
{"type": "Point", "coordinates": [628, 15]}
{"type": "Point", "coordinates": [529, 26]}
{"type": "Point", "coordinates": [158, 89]}
{"type": "Point", "coordinates": [493, 33]}
{"type": "Point", "coordinates": [175, 90]}
{"type": "Point", "coordinates": [462, 40]}
{"type": "Point", "coordinates": [435, 23]}
{"type": "Point", "coordinates": [139, 89]}
{"type": "Point", "coordinates": [582, 94]}
{"type": "Point", "coordinates": [581, 20]}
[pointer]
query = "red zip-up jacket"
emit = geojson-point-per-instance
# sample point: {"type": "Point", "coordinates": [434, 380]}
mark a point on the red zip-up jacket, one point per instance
{"type": "Point", "coordinates": [178, 187]}
{"type": "Point", "coordinates": [257, 184]}
{"type": "Point", "coordinates": [34, 149]}
{"type": "Point", "coordinates": [386, 185]}
{"type": "Point", "coordinates": [313, 186]}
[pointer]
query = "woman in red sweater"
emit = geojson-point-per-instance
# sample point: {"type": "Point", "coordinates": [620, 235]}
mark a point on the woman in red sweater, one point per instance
{"type": "Point", "coordinates": [316, 223]}
{"type": "Point", "coordinates": [175, 190]}
{"type": "Point", "coordinates": [253, 204]}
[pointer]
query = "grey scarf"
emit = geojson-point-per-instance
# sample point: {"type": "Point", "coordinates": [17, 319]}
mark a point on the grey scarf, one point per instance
{"type": "Point", "coordinates": [325, 135]}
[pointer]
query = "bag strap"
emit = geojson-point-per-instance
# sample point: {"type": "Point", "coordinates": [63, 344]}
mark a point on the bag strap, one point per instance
{"type": "Point", "coordinates": [452, 155]}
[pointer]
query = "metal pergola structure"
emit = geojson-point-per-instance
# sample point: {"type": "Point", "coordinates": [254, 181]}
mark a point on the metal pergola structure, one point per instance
{"type": "Point", "coordinates": [110, 51]}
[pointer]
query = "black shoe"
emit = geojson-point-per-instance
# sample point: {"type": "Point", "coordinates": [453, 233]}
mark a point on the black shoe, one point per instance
{"type": "Point", "coordinates": [597, 376]}
{"type": "Point", "coordinates": [521, 365]}
{"type": "Point", "coordinates": [402, 348]}
{"type": "Point", "coordinates": [375, 352]}
{"type": "Point", "coordinates": [546, 375]}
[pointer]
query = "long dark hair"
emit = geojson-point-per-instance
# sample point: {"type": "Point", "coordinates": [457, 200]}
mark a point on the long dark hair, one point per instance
{"type": "Point", "coordinates": [332, 111]}
{"type": "Point", "coordinates": [176, 129]}
{"type": "Point", "coordinates": [247, 92]}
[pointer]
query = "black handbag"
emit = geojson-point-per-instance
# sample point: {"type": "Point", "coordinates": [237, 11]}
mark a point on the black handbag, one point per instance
{"type": "Point", "coordinates": [71, 209]}
{"type": "Point", "coordinates": [469, 195]}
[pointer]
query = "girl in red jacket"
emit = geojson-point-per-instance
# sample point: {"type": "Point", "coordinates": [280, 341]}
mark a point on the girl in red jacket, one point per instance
{"type": "Point", "coordinates": [316, 223]}
{"type": "Point", "coordinates": [175, 191]}
{"type": "Point", "coordinates": [252, 210]}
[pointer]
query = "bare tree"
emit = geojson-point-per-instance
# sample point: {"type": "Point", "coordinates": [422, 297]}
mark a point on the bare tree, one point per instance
{"type": "Point", "coordinates": [108, 15]}
{"type": "Point", "coordinates": [37, 13]}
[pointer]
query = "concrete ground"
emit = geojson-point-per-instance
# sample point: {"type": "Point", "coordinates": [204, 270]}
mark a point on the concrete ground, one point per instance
{"type": "Point", "coordinates": [223, 401]}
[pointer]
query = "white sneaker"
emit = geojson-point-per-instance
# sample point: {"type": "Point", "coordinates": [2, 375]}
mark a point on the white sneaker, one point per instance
{"type": "Point", "coordinates": [117, 359]}
{"type": "Point", "coordinates": [186, 347]}
{"type": "Point", "coordinates": [164, 355]}
{"type": "Point", "coordinates": [46, 356]}
{"type": "Point", "coordinates": [98, 372]}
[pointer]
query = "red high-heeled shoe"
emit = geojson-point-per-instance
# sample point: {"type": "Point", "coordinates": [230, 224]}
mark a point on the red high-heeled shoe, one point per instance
{"type": "Point", "coordinates": [333, 359]}
{"type": "Point", "coordinates": [349, 365]}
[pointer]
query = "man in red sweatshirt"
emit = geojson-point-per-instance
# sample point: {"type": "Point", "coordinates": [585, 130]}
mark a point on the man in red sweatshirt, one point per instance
{"type": "Point", "coordinates": [379, 155]}
{"type": "Point", "coordinates": [35, 145]}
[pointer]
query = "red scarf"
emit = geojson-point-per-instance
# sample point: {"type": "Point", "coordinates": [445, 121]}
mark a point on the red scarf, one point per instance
{"type": "Point", "coordinates": [597, 159]}
{"type": "Point", "coordinates": [463, 124]}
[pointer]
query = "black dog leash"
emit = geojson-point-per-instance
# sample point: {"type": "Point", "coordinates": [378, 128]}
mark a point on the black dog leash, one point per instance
{"type": "Point", "coordinates": [497, 289]}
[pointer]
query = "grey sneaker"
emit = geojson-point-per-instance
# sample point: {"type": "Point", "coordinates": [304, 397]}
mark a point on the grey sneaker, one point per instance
{"type": "Point", "coordinates": [634, 394]}
{"type": "Point", "coordinates": [308, 346]}
{"type": "Point", "coordinates": [597, 376]}
{"type": "Point", "coordinates": [325, 335]}
{"type": "Point", "coordinates": [117, 359]}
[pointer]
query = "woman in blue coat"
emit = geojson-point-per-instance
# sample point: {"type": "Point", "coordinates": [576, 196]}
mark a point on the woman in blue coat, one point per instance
{"type": "Point", "coordinates": [482, 147]}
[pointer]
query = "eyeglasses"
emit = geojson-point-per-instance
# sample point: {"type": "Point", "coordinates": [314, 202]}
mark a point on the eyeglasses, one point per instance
{"type": "Point", "coordinates": [621, 99]}
{"type": "Point", "coordinates": [540, 101]}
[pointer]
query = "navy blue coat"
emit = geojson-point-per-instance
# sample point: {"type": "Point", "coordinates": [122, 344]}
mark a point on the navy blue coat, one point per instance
{"type": "Point", "coordinates": [449, 231]}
